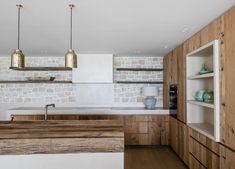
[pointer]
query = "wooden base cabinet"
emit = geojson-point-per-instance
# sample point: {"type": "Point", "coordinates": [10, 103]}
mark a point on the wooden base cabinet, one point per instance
{"type": "Point", "coordinates": [227, 158]}
{"type": "Point", "coordinates": [228, 80]}
{"type": "Point", "coordinates": [179, 139]}
{"type": "Point", "coordinates": [146, 130]}
{"type": "Point", "coordinates": [204, 150]}
{"type": "Point", "coordinates": [194, 163]}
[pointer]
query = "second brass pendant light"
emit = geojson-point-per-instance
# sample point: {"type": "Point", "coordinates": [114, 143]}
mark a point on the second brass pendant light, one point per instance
{"type": "Point", "coordinates": [70, 56]}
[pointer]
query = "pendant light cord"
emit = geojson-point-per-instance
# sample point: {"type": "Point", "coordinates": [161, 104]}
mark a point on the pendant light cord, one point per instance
{"type": "Point", "coordinates": [18, 45]}
{"type": "Point", "coordinates": [71, 27]}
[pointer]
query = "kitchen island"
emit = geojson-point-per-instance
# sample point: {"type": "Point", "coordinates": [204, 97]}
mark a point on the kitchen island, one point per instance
{"type": "Point", "coordinates": [69, 144]}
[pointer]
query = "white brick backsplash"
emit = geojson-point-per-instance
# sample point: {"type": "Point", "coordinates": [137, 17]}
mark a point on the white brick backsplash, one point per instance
{"type": "Point", "coordinates": [127, 94]}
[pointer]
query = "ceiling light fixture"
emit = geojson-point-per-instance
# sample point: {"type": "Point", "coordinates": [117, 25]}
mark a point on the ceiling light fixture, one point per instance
{"type": "Point", "coordinates": [70, 56]}
{"type": "Point", "coordinates": [17, 57]}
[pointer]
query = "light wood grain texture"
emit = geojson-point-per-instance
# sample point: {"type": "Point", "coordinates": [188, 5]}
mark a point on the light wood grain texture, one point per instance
{"type": "Point", "coordinates": [207, 142]}
{"type": "Point", "coordinates": [181, 84]}
{"type": "Point", "coordinates": [194, 163]}
{"type": "Point", "coordinates": [227, 158]}
{"type": "Point", "coordinates": [212, 31]}
{"type": "Point", "coordinates": [194, 42]}
{"type": "Point", "coordinates": [146, 130]}
{"type": "Point", "coordinates": [183, 142]}
{"type": "Point", "coordinates": [228, 81]}
{"type": "Point", "coordinates": [174, 134]}
{"type": "Point", "coordinates": [139, 129]}
{"type": "Point", "coordinates": [167, 69]}
{"type": "Point", "coordinates": [174, 67]}
{"type": "Point", "coordinates": [203, 154]}
{"type": "Point", "coordinates": [61, 137]}
{"type": "Point", "coordinates": [152, 158]}
{"type": "Point", "coordinates": [166, 97]}
{"type": "Point", "coordinates": [66, 117]}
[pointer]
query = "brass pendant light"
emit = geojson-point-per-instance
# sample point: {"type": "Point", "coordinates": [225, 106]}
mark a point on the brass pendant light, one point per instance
{"type": "Point", "coordinates": [17, 57]}
{"type": "Point", "coordinates": [70, 56]}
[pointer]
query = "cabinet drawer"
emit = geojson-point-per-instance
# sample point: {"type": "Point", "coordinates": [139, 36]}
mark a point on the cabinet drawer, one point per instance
{"type": "Point", "coordinates": [207, 142]}
{"type": "Point", "coordinates": [194, 164]}
{"type": "Point", "coordinates": [203, 154]}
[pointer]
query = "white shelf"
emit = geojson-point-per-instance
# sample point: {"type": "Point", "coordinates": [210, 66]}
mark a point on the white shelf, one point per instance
{"type": "Point", "coordinates": [204, 117]}
{"type": "Point", "coordinates": [204, 128]}
{"type": "Point", "coordinates": [204, 104]}
{"type": "Point", "coordinates": [195, 77]}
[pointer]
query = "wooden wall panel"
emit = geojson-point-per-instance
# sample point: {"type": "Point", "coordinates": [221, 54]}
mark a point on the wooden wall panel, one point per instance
{"type": "Point", "coordinates": [181, 84]}
{"type": "Point", "coordinates": [174, 134]}
{"type": "Point", "coordinates": [212, 32]}
{"type": "Point", "coordinates": [227, 158]}
{"type": "Point", "coordinates": [174, 67]}
{"type": "Point", "coordinates": [228, 81]}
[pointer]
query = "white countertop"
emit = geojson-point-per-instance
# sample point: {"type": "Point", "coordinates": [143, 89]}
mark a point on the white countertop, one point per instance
{"type": "Point", "coordinates": [88, 110]}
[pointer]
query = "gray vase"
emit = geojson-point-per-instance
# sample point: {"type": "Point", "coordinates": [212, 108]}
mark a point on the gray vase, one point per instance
{"type": "Point", "coordinates": [150, 102]}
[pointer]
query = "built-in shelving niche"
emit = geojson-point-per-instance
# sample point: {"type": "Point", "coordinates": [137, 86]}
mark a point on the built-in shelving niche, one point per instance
{"type": "Point", "coordinates": [204, 117]}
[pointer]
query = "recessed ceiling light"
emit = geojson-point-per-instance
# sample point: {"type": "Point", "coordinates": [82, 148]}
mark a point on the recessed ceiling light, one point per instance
{"type": "Point", "coordinates": [185, 30]}
{"type": "Point", "coordinates": [166, 47]}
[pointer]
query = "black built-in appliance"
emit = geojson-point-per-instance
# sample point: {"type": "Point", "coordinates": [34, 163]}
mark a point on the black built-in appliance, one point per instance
{"type": "Point", "coordinates": [173, 101]}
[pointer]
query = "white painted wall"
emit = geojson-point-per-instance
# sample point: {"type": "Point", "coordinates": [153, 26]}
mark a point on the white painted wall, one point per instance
{"type": "Point", "coordinates": [63, 161]}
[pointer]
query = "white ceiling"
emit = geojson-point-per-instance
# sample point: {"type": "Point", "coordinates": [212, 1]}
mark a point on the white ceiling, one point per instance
{"type": "Point", "coordinates": [122, 27]}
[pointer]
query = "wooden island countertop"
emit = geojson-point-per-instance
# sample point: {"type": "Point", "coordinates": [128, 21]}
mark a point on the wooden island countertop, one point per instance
{"type": "Point", "coordinates": [59, 137]}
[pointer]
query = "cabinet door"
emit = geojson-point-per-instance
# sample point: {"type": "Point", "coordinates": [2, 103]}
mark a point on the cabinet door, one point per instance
{"type": "Point", "coordinates": [174, 67]}
{"type": "Point", "coordinates": [212, 32]}
{"type": "Point", "coordinates": [181, 85]}
{"type": "Point", "coordinates": [227, 158]}
{"type": "Point", "coordinates": [174, 134]}
{"type": "Point", "coordinates": [228, 81]}
{"type": "Point", "coordinates": [166, 96]}
{"type": "Point", "coordinates": [183, 142]}
{"type": "Point", "coordinates": [167, 68]}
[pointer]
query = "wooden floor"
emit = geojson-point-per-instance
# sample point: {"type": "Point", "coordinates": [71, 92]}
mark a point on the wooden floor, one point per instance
{"type": "Point", "coordinates": [152, 158]}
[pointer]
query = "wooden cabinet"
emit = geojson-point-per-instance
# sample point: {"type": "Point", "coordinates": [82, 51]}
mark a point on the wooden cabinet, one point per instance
{"type": "Point", "coordinates": [139, 129]}
{"type": "Point", "coordinates": [181, 84]}
{"type": "Point", "coordinates": [166, 71]}
{"type": "Point", "coordinates": [170, 64]}
{"type": "Point", "coordinates": [194, 163]}
{"type": "Point", "coordinates": [170, 75]}
{"type": "Point", "coordinates": [212, 32]}
{"type": "Point", "coordinates": [174, 67]}
{"type": "Point", "coordinates": [174, 134]}
{"type": "Point", "coordinates": [183, 142]}
{"type": "Point", "coordinates": [166, 95]}
{"type": "Point", "coordinates": [179, 139]}
{"type": "Point", "coordinates": [193, 43]}
{"type": "Point", "coordinates": [228, 81]}
{"type": "Point", "coordinates": [146, 130]}
{"type": "Point", "coordinates": [227, 158]}
{"type": "Point", "coordinates": [205, 156]}
{"type": "Point", "coordinates": [204, 150]}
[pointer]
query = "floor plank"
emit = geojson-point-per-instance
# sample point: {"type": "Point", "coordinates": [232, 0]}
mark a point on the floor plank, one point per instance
{"type": "Point", "coordinates": [152, 158]}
